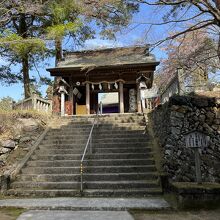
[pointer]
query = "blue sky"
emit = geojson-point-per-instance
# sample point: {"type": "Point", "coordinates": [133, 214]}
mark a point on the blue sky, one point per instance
{"type": "Point", "coordinates": [136, 33]}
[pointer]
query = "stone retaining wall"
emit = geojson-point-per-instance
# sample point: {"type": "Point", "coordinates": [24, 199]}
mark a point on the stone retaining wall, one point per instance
{"type": "Point", "coordinates": [180, 115]}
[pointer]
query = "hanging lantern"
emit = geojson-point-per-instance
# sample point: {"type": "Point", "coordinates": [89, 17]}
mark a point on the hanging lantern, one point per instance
{"type": "Point", "coordinates": [142, 85]}
{"type": "Point", "coordinates": [109, 86]}
{"type": "Point", "coordinates": [116, 85]}
{"type": "Point", "coordinates": [93, 86]}
{"type": "Point", "coordinates": [100, 86]}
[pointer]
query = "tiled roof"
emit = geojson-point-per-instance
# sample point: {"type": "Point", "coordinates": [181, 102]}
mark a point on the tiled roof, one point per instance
{"type": "Point", "coordinates": [107, 57]}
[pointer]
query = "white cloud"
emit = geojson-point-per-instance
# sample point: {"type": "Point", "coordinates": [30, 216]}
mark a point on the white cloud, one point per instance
{"type": "Point", "coordinates": [99, 44]}
{"type": "Point", "coordinates": [3, 62]}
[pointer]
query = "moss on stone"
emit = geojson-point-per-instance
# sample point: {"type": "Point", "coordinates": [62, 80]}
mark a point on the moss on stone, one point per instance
{"type": "Point", "coordinates": [10, 213]}
{"type": "Point", "coordinates": [190, 185]}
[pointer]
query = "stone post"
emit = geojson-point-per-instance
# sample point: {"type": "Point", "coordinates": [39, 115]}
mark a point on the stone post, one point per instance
{"type": "Point", "coordinates": [142, 94]}
{"type": "Point", "coordinates": [34, 101]}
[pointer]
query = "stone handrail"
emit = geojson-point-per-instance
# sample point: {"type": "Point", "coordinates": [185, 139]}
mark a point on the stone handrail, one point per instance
{"type": "Point", "coordinates": [34, 103]}
{"type": "Point", "coordinates": [149, 104]}
{"type": "Point", "coordinates": [172, 88]}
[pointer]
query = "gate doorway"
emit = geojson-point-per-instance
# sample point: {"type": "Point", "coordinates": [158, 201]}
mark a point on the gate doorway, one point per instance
{"type": "Point", "coordinates": [110, 102]}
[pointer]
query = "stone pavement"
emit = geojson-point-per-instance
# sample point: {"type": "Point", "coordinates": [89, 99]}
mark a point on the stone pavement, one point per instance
{"type": "Point", "coordinates": [77, 215]}
{"type": "Point", "coordinates": [178, 215]}
{"type": "Point", "coordinates": [118, 215]}
{"type": "Point", "coordinates": [92, 204]}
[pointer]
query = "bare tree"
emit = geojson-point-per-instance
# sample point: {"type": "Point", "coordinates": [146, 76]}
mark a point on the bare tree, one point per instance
{"type": "Point", "coordinates": [194, 52]}
{"type": "Point", "coordinates": [199, 14]}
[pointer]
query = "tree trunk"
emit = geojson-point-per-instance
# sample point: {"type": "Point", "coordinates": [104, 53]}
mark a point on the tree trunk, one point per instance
{"type": "Point", "coordinates": [218, 49]}
{"type": "Point", "coordinates": [25, 59]}
{"type": "Point", "coordinates": [26, 78]}
{"type": "Point", "coordinates": [56, 95]}
{"type": "Point", "coordinates": [217, 2]}
{"type": "Point", "coordinates": [58, 57]}
{"type": "Point", "coordinates": [58, 48]}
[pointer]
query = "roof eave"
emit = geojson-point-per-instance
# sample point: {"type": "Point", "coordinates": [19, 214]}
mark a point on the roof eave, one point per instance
{"type": "Point", "coordinates": [53, 70]}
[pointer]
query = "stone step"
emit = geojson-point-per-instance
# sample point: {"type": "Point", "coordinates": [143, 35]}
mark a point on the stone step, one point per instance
{"type": "Point", "coordinates": [95, 132]}
{"type": "Point", "coordinates": [93, 156]}
{"type": "Point", "coordinates": [96, 136]}
{"type": "Point", "coordinates": [95, 140]}
{"type": "Point", "coordinates": [51, 151]}
{"type": "Point", "coordinates": [88, 177]}
{"type": "Point", "coordinates": [140, 192]}
{"type": "Point", "coordinates": [122, 126]}
{"type": "Point", "coordinates": [90, 162]}
{"type": "Point", "coordinates": [121, 135]}
{"type": "Point", "coordinates": [96, 145]}
{"type": "Point", "coordinates": [74, 129]}
{"type": "Point", "coordinates": [96, 150]}
{"type": "Point", "coordinates": [114, 130]}
{"type": "Point", "coordinates": [72, 126]}
{"type": "Point", "coordinates": [101, 123]}
{"type": "Point", "coordinates": [119, 123]}
{"type": "Point", "coordinates": [75, 146]}
{"type": "Point", "coordinates": [57, 142]}
{"type": "Point", "coordinates": [121, 141]}
{"type": "Point", "coordinates": [85, 208]}
{"type": "Point", "coordinates": [99, 128]}
{"type": "Point", "coordinates": [76, 123]}
{"type": "Point", "coordinates": [86, 185]}
{"type": "Point", "coordinates": [122, 162]}
{"type": "Point", "coordinates": [59, 132]}
{"type": "Point", "coordinates": [99, 150]}
{"type": "Point", "coordinates": [133, 149]}
{"type": "Point", "coordinates": [102, 130]}
{"type": "Point", "coordinates": [113, 119]}
{"type": "Point", "coordinates": [90, 169]}
{"type": "Point", "coordinates": [146, 155]}
{"type": "Point", "coordinates": [110, 115]}
{"type": "Point", "coordinates": [56, 157]}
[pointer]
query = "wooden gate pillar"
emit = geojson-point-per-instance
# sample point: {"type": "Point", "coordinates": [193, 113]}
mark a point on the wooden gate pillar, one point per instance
{"type": "Point", "coordinates": [71, 95]}
{"type": "Point", "coordinates": [87, 98]}
{"type": "Point", "coordinates": [121, 97]}
{"type": "Point", "coordinates": [62, 103]}
{"type": "Point", "coordinates": [138, 98]}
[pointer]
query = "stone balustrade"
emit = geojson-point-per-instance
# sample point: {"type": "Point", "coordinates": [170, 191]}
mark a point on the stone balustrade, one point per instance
{"type": "Point", "coordinates": [34, 103]}
{"type": "Point", "coordinates": [149, 104]}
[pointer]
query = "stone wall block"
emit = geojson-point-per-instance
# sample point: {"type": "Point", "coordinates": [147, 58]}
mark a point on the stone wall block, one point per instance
{"type": "Point", "coordinates": [172, 120]}
{"type": "Point", "coordinates": [202, 117]}
{"type": "Point", "coordinates": [8, 144]}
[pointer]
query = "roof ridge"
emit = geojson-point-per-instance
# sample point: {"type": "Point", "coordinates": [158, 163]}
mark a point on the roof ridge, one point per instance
{"type": "Point", "coordinates": [146, 46]}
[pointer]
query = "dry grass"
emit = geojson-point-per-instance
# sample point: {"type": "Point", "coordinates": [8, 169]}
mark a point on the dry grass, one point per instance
{"type": "Point", "coordinates": [10, 213]}
{"type": "Point", "coordinates": [11, 128]}
{"type": "Point", "coordinates": [9, 119]}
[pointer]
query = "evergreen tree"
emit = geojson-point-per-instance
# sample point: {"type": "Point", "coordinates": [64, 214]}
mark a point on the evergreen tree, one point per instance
{"type": "Point", "coordinates": [26, 26]}
{"type": "Point", "coordinates": [19, 39]}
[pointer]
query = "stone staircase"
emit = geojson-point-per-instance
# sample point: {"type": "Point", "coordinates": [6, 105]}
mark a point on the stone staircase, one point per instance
{"type": "Point", "coordinates": [121, 165]}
